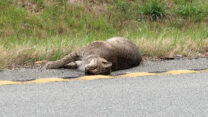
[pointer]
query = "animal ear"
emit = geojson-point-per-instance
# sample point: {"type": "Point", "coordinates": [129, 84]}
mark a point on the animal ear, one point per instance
{"type": "Point", "coordinates": [108, 64]}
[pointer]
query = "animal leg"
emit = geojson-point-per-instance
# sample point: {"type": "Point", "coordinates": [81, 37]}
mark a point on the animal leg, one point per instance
{"type": "Point", "coordinates": [73, 65]}
{"type": "Point", "coordinates": [60, 63]}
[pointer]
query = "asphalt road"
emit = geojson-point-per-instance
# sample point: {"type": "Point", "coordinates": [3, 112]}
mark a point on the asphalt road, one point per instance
{"type": "Point", "coordinates": [147, 66]}
{"type": "Point", "coordinates": [182, 95]}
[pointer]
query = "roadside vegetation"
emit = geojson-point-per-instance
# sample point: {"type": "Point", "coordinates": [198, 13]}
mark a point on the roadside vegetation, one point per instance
{"type": "Point", "coordinates": [35, 30]}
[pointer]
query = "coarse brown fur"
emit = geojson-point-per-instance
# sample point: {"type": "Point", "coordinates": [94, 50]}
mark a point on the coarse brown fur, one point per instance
{"type": "Point", "coordinates": [100, 57]}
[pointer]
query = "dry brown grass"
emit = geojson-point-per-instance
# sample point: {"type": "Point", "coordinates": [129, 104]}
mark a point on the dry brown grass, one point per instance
{"type": "Point", "coordinates": [20, 55]}
{"type": "Point", "coordinates": [205, 46]}
{"type": "Point", "coordinates": [186, 48]}
{"type": "Point", "coordinates": [153, 47]}
{"type": "Point", "coordinates": [3, 57]}
{"type": "Point", "coordinates": [168, 48]}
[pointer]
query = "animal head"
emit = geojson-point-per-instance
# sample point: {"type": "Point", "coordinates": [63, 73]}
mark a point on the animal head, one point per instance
{"type": "Point", "coordinates": [98, 66]}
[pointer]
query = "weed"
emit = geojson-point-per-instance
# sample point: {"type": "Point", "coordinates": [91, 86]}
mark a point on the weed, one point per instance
{"type": "Point", "coordinates": [180, 2]}
{"type": "Point", "coordinates": [205, 46]}
{"type": "Point", "coordinates": [154, 9]}
{"type": "Point", "coordinates": [189, 10]}
{"type": "Point", "coordinates": [40, 3]}
{"type": "Point", "coordinates": [123, 11]}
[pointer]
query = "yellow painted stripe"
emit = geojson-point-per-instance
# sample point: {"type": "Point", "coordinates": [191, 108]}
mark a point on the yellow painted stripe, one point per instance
{"type": "Point", "coordinates": [8, 82]}
{"type": "Point", "coordinates": [139, 74]}
{"type": "Point", "coordinates": [44, 80]}
{"type": "Point", "coordinates": [175, 72]}
{"type": "Point", "coordinates": [93, 77]}
{"type": "Point", "coordinates": [206, 70]}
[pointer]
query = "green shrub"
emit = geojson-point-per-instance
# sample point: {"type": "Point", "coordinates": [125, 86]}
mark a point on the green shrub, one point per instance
{"type": "Point", "coordinates": [122, 11]}
{"type": "Point", "coordinates": [154, 9]}
{"type": "Point", "coordinates": [179, 2]}
{"type": "Point", "coordinates": [40, 3]}
{"type": "Point", "coordinates": [192, 11]}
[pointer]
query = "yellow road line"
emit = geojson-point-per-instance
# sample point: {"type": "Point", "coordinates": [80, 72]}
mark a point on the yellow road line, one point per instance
{"type": "Point", "coordinates": [94, 77]}
{"type": "Point", "coordinates": [7, 82]}
{"type": "Point", "coordinates": [175, 72]}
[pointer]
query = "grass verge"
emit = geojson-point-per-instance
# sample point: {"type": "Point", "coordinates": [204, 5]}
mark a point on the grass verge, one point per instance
{"type": "Point", "coordinates": [34, 30]}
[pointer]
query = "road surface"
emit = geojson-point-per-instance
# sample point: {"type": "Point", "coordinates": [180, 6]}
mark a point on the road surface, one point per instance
{"type": "Point", "coordinates": [156, 89]}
